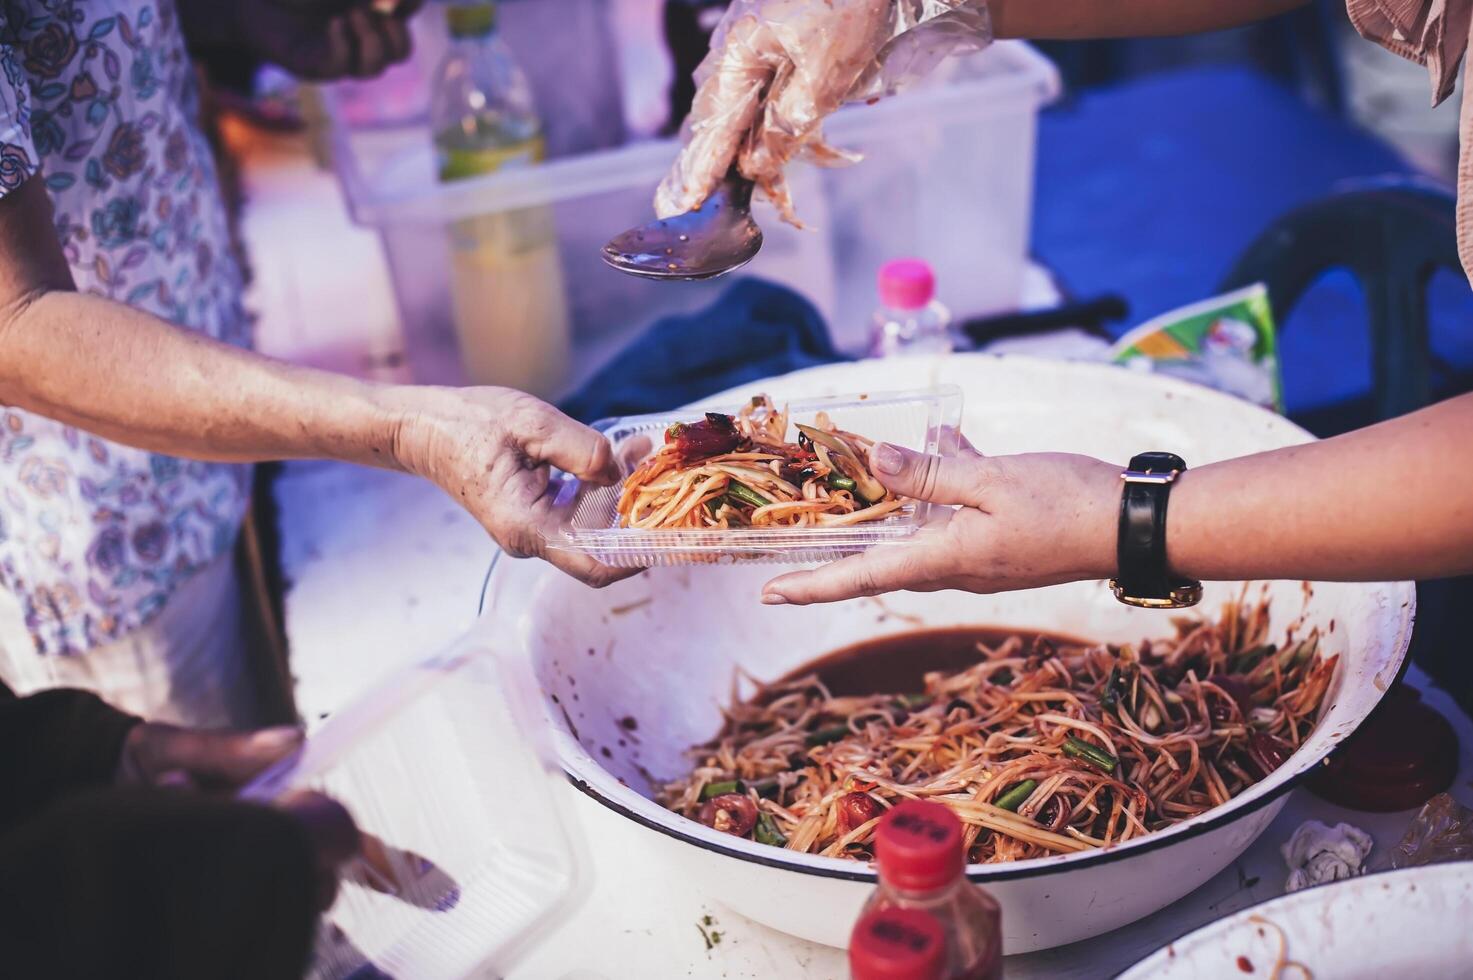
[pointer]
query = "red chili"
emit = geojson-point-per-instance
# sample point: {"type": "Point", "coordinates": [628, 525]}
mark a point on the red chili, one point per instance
{"type": "Point", "coordinates": [1236, 688]}
{"type": "Point", "coordinates": [1267, 752]}
{"type": "Point", "coordinates": [731, 813]}
{"type": "Point", "coordinates": [857, 809]}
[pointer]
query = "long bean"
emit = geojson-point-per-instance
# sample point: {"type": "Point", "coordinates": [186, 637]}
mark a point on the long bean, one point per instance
{"type": "Point", "coordinates": [1094, 755]}
{"type": "Point", "coordinates": [1014, 797]}
{"type": "Point", "coordinates": [745, 494]}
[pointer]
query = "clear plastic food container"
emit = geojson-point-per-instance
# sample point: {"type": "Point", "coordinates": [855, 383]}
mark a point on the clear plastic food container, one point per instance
{"type": "Point", "coordinates": [925, 421]}
{"type": "Point", "coordinates": [960, 143]}
{"type": "Point", "coordinates": [467, 859]}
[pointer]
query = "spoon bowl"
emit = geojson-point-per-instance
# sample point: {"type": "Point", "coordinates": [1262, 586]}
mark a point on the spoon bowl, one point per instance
{"type": "Point", "coordinates": [710, 240]}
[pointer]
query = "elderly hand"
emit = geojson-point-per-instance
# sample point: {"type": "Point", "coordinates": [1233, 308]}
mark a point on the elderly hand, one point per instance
{"type": "Point", "coordinates": [166, 755]}
{"type": "Point", "coordinates": [1020, 522]}
{"type": "Point", "coordinates": [224, 761]}
{"type": "Point", "coordinates": [491, 449]}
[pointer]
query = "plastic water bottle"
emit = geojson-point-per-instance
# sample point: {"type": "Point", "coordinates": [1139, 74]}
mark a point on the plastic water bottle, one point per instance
{"type": "Point", "coordinates": [922, 865]}
{"type": "Point", "coordinates": [897, 944]}
{"type": "Point", "coordinates": [909, 320]}
{"type": "Point", "coordinates": [507, 291]}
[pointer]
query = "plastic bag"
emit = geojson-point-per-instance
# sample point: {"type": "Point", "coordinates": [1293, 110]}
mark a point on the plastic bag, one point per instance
{"type": "Point", "coordinates": [1226, 342]}
{"type": "Point", "coordinates": [1318, 854]}
{"type": "Point", "coordinates": [777, 68]}
{"type": "Point", "coordinates": [1441, 831]}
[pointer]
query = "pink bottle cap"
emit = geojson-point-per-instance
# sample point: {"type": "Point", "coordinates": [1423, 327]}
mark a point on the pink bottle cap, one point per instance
{"type": "Point", "coordinates": [906, 284]}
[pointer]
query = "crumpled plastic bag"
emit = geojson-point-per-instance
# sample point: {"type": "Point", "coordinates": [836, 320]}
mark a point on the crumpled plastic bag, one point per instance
{"type": "Point", "coordinates": [1441, 831]}
{"type": "Point", "coordinates": [1317, 854]}
{"type": "Point", "coordinates": [777, 68]}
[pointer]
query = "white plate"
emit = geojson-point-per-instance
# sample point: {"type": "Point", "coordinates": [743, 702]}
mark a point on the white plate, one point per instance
{"type": "Point", "coordinates": [1409, 923]}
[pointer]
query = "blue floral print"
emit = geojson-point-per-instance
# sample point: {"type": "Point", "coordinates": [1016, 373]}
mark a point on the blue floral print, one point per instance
{"type": "Point", "coordinates": [98, 99]}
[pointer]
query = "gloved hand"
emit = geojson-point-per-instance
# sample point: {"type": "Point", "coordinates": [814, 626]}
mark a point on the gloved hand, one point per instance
{"type": "Point", "coordinates": [777, 68]}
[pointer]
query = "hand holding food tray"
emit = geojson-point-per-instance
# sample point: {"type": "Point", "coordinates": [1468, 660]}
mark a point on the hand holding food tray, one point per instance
{"type": "Point", "coordinates": [759, 481]}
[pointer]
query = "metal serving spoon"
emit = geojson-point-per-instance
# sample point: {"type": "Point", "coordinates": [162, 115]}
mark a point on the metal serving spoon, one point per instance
{"type": "Point", "coordinates": [711, 240]}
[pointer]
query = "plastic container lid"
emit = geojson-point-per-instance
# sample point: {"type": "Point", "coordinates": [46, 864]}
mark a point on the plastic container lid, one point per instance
{"type": "Point", "coordinates": [918, 846]}
{"type": "Point", "coordinates": [587, 519]}
{"type": "Point", "coordinates": [897, 944]}
{"type": "Point", "coordinates": [906, 284]}
{"type": "Point", "coordinates": [448, 772]}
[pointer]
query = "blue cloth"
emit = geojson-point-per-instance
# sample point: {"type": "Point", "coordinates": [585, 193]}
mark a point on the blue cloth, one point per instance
{"type": "Point", "coordinates": [1152, 189]}
{"type": "Point", "coordinates": [754, 330]}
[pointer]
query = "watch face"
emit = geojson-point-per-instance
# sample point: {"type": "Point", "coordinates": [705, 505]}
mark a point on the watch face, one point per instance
{"type": "Point", "coordinates": [1157, 463]}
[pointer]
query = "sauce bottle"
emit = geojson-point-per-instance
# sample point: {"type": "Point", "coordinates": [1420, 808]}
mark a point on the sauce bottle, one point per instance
{"type": "Point", "coordinates": [918, 848]}
{"type": "Point", "coordinates": [897, 944]}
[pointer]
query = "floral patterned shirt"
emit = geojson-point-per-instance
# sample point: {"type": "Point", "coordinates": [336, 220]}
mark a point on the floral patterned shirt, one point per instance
{"type": "Point", "coordinates": [99, 100]}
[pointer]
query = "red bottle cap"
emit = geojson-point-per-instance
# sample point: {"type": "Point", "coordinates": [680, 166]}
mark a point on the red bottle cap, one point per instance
{"type": "Point", "coordinates": [918, 846]}
{"type": "Point", "coordinates": [906, 284]}
{"type": "Point", "coordinates": [897, 944]}
{"type": "Point", "coordinates": [1404, 754]}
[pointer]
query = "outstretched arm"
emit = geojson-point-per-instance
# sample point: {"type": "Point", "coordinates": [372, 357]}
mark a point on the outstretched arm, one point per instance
{"type": "Point", "coordinates": [1057, 20]}
{"type": "Point", "coordinates": [134, 378]}
{"type": "Point", "coordinates": [1392, 501]}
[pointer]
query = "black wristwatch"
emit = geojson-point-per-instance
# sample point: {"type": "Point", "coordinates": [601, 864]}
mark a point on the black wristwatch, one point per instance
{"type": "Point", "coordinates": [1143, 578]}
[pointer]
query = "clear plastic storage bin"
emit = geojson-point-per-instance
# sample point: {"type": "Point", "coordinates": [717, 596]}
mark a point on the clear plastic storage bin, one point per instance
{"type": "Point", "coordinates": [925, 421]}
{"type": "Point", "coordinates": [947, 177]}
{"type": "Point", "coordinates": [446, 769]}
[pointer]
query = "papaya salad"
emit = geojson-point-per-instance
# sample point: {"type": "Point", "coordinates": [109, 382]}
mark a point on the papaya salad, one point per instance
{"type": "Point", "coordinates": [1040, 748]}
{"type": "Point", "coordinates": [730, 471]}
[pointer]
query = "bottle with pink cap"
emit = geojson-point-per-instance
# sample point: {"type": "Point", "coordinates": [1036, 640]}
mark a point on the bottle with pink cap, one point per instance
{"type": "Point", "coordinates": [909, 320]}
{"type": "Point", "coordinates": [922, 864]}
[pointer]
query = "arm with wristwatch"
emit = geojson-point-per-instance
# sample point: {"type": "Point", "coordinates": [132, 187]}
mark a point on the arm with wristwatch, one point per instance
{"type": "Point", "coordinates": [1389, 502]}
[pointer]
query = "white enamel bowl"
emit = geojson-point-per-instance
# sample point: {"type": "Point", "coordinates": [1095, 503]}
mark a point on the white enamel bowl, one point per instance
{"type": "Point", "coordinates": [662, 649]}
{"type": "Point", "coordinates": [1409, 923]}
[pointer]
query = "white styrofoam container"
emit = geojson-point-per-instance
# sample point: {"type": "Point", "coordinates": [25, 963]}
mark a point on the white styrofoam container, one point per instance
{"type": "Point", "coordinates": [947, 176]}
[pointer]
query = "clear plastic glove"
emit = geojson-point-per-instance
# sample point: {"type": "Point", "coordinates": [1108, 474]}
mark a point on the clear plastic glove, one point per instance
{"type": "Point", "coordinates": [1441, 831]}
{"type": "Point", "coordinates": [777, 68]}
{"type": "Point", "coordinates": [1317, 854]}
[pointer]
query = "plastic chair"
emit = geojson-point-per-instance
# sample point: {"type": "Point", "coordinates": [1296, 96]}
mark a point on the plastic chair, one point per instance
{"type": "Point", "coordinates": [1391, 239]}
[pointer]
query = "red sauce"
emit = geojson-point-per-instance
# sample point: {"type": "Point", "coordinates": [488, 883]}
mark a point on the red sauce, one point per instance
{"type": "Point", "coordinates": [898, 663]}
{"type": "Point", "coordinates": [1245, 964]}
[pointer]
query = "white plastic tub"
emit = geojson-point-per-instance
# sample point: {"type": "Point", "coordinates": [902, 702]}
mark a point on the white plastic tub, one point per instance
{"type": "Point", "coordinates": [948, 176]}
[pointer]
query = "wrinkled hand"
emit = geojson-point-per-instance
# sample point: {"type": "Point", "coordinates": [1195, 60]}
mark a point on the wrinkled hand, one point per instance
{"type": "Point", "coordinates": [1020, 522]}
{"type": "Point", "coordinates": [320, 40]}
{"type": "Point", "coordinates": [224, 761]}
{"type": "Point", "coordinates": [165, 755]}
{"type": "Point", "coordinates": [491, 449]}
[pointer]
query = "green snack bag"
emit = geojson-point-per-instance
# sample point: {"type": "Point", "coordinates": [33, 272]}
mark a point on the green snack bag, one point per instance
{"type": "Point", "coordinates": [1226, 342]}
